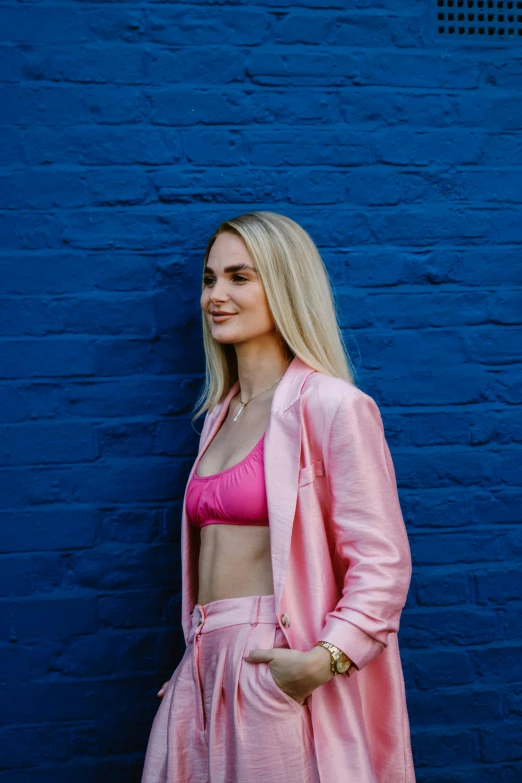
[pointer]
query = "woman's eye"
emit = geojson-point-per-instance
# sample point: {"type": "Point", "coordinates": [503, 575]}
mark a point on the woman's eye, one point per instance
{"type": "Point", "coordinates": [209, 280]}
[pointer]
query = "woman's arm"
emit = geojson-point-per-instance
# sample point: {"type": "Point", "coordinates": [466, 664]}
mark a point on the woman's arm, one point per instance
{"type": "Point", "coordinates": [370, 539]}
{"type": "Point", "coordinates": [369, 532]}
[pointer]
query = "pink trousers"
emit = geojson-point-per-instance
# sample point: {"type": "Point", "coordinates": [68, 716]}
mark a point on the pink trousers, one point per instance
{"type": "Point", "coordinates": [223, 720]}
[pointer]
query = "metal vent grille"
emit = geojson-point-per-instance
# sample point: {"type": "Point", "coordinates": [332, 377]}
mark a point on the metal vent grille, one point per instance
{"type": "Point", "coordinates": [480, 19]}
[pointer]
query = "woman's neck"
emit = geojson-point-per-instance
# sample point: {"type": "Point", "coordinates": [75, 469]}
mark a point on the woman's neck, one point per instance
{"type": "Point", "coordinates": [260, 368]}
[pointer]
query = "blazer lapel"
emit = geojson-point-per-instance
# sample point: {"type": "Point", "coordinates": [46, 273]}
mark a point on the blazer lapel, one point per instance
{"type": "Point", "coordinates": [282, 455]}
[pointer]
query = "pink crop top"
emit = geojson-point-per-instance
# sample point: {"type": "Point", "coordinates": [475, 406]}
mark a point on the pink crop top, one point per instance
{"type": "Point", "coordinates": [236, 496]}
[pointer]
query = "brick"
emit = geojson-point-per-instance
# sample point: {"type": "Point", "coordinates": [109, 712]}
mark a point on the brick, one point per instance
{"type": "Point", "coordinates": [498, 586]}
{"type": "Point", "coordinates": [318, 68]}
{"type": "Point", "coordinates": [21, 661]}
{"type": "Point", "coordinates": [41, 104]}
{"type": "Point", "coordinates": [360, 29]}
{"type": "Point", "coordinates": [463, 627]}
{"type": "Point", "coordinates": [119, 482]}
{"type": "Point", "coordinates": [109, 651]}
{"type": "Point", "coordinates": [467, 774]}
{"type": "Point", "coordinates": [20, 401]}
{"type": "Point", "coordinates": [434, 670]}
{"type": "Point", "coordinates": [443, 748]}
{"type": "Point", "coordinates": [115, 24]}
{"type": "Point", "coordinates": [110, 567]}
{"type": "Point", "coordinates": [10, 59]}
{"type": "Point", "coordinates": [42, 25]}
{"type": "Point", "coordinates": [497, 665]}
{"type": "Point", "coordinates": [463, 706]}
{"type": "Point", "coordinates": [23, 574]}
{"type": "Point", "coordinates": [44, 529]}
{"type": "Point", "coordinates": [31, 619]}
{"type": "Point", "coordinates": [499, 427]}
{"type": "Point", "coordinates": [239, 26]}
{"type": "Point", "coordinates": [143, 611]}
{"type": "Point", "coordinates": [413, 148]}
{"type": "Point", "coordinates": [471, 547]}
{"type": "Point", "coordinates": [10, 146]}
{"type": "Point", "coordinates": [514, 701]}
{"type": "Point", "coordinates": [504, 747]}
{"type": "Point", "coordinates": [167, 396]}
{"type": "Point", "coordinates": [460, 508]}
{"type": "Point", "coordinates": [340, 149]}
{"type": "Point", "coordinates": [116, 103]}
{"type": "Point", "coordinates": [163, 66]}
{"type": "Point", "coordinates": [101, 145]}
{"type": "Point", "coordinates": [89, 315]}
{"type": "Point", "coordinates": [27, 746]}
{"type": "Point", "coordinates": [30, 359]}
{"type": "Point", "coordinates": [50, 443]}
{"type": "Point", "coordinates": [131, 525]}
{"type": "Point", "coordinates": [126, 439]}
{"type": "Point", "coordinates": [83, 772]}
{"type": "Point", "coordinates": [37, 189]}
{"type": "Point", "coordinates": [65, 273]}
{"type": "Point", "coordinates": [120, 63]}
{"type": "Point", "coordinates": [71, 700]}
{"type": "Point", "coordinates": [439, 69]}
{"type": "Point", "coordinates": [442, 588]}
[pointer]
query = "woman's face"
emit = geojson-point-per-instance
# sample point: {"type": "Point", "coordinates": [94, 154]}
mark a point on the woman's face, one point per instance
{"type": "Point", "coordinates": [231, 286]}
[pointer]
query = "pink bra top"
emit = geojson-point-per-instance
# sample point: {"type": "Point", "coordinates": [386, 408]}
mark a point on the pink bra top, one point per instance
{"type": "Point", "coordinates": [236, 496]}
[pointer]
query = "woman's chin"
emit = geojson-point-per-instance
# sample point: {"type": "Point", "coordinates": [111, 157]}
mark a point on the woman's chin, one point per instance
{"type": "Point", "coordinates": [221, 336]}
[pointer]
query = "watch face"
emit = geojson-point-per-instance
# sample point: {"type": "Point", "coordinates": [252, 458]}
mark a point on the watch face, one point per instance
{"type": "Point", "coordinates": [342, 664]}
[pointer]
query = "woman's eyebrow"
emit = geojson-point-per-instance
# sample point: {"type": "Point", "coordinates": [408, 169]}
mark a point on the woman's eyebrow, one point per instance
{"type": "Point", "coordinates": [232, 268]}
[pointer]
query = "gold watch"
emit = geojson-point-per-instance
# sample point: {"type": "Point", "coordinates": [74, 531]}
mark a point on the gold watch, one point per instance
{"type": "Point", "coordinates": [340, 663]}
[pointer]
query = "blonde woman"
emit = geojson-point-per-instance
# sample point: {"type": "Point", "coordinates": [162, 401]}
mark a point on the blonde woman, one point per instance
{"type": "Point", "coordinates": [295, 559]}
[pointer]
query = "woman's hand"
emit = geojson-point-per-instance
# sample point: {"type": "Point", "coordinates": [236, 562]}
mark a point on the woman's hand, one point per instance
{"type": "Point", "coordinates": [163, 688]}
{"type": "Point", "coordinates": [296, 673]}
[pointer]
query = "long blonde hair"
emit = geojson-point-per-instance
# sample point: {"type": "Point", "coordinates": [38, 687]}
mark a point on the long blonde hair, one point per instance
{"type": "Point", "coordinates": [299, 296]}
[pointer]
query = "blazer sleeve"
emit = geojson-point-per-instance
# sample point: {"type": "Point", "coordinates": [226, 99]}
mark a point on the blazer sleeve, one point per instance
{"type": "Point", "coordinates": [369, 532]}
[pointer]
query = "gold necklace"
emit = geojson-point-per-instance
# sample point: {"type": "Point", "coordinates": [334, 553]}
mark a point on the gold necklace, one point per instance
{"type": "Point", "coordinates": [244, 404]}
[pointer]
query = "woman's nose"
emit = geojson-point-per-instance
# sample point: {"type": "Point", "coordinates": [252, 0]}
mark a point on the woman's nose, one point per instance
{"type": "Point", "coordinates": [218, 293]}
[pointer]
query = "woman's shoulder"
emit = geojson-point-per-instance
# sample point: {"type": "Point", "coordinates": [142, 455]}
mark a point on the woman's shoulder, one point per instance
{"type": "Point", "coordinates": [329, 393]}
{"type": "Point", "coordinates": [328, 399]}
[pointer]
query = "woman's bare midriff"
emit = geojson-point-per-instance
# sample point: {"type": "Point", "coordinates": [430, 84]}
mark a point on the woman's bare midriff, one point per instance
{"type": "Point", "coordinates": [234, 561]}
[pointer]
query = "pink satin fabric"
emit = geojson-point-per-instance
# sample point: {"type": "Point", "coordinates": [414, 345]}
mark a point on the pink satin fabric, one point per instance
{"type": "Point", "coordinates": [235, 496]}
{"type": "Point", "coordinates": [223, 720]}
{"type": "Point", "coordinates": [341, 565]}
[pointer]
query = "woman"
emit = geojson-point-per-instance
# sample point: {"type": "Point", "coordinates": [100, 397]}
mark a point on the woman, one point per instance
{"type": "Point", "coordinates": [295, 559]}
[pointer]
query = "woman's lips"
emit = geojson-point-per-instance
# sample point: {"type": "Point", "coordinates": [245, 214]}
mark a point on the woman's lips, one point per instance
{"type": "Point", "coordinates": [219, 318]}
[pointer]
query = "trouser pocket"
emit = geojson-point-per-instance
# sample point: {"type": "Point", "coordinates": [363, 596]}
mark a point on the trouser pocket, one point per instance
{"type": "Point", "coordinates": [279, 641]}
{"type": "Point", "coordinates": [259, 691]}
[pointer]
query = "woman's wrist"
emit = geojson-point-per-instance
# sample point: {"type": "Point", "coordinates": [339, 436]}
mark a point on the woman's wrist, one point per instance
{"type": "Point", "coordinates": [319, 663]}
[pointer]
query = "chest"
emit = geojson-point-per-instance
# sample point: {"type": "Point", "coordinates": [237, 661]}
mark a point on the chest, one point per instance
{"type": "Point", "coordinates": [234, 440]}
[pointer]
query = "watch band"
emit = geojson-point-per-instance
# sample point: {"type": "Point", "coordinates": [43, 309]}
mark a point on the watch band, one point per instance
{"type": "Point", "coordinates": [336, 655]}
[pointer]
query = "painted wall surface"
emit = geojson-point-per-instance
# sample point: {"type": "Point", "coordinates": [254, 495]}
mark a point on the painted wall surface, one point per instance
{"type": "Point", "coordinates": [128, 131]}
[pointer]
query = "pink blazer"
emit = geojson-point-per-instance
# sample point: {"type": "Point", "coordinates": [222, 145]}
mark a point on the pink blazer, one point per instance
{"type": "Point", "coordinates": [341, 565]}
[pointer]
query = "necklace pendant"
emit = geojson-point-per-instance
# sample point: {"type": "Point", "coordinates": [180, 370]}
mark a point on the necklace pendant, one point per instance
{"type": "Point", "coordinates": [239, 411]}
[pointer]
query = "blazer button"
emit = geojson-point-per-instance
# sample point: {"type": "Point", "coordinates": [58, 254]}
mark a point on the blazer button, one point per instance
{"type": "Point", "coordinates": [285, 620]}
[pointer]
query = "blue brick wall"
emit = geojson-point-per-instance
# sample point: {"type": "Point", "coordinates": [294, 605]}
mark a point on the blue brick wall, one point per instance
{"type": "Point", "coordinates": [128, 131]}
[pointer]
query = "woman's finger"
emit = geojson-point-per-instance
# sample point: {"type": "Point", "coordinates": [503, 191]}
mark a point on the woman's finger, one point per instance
{"type": "Point", "coordinates": [260, 656]}
{"type": "Point", "coordinates": [163, 687]}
